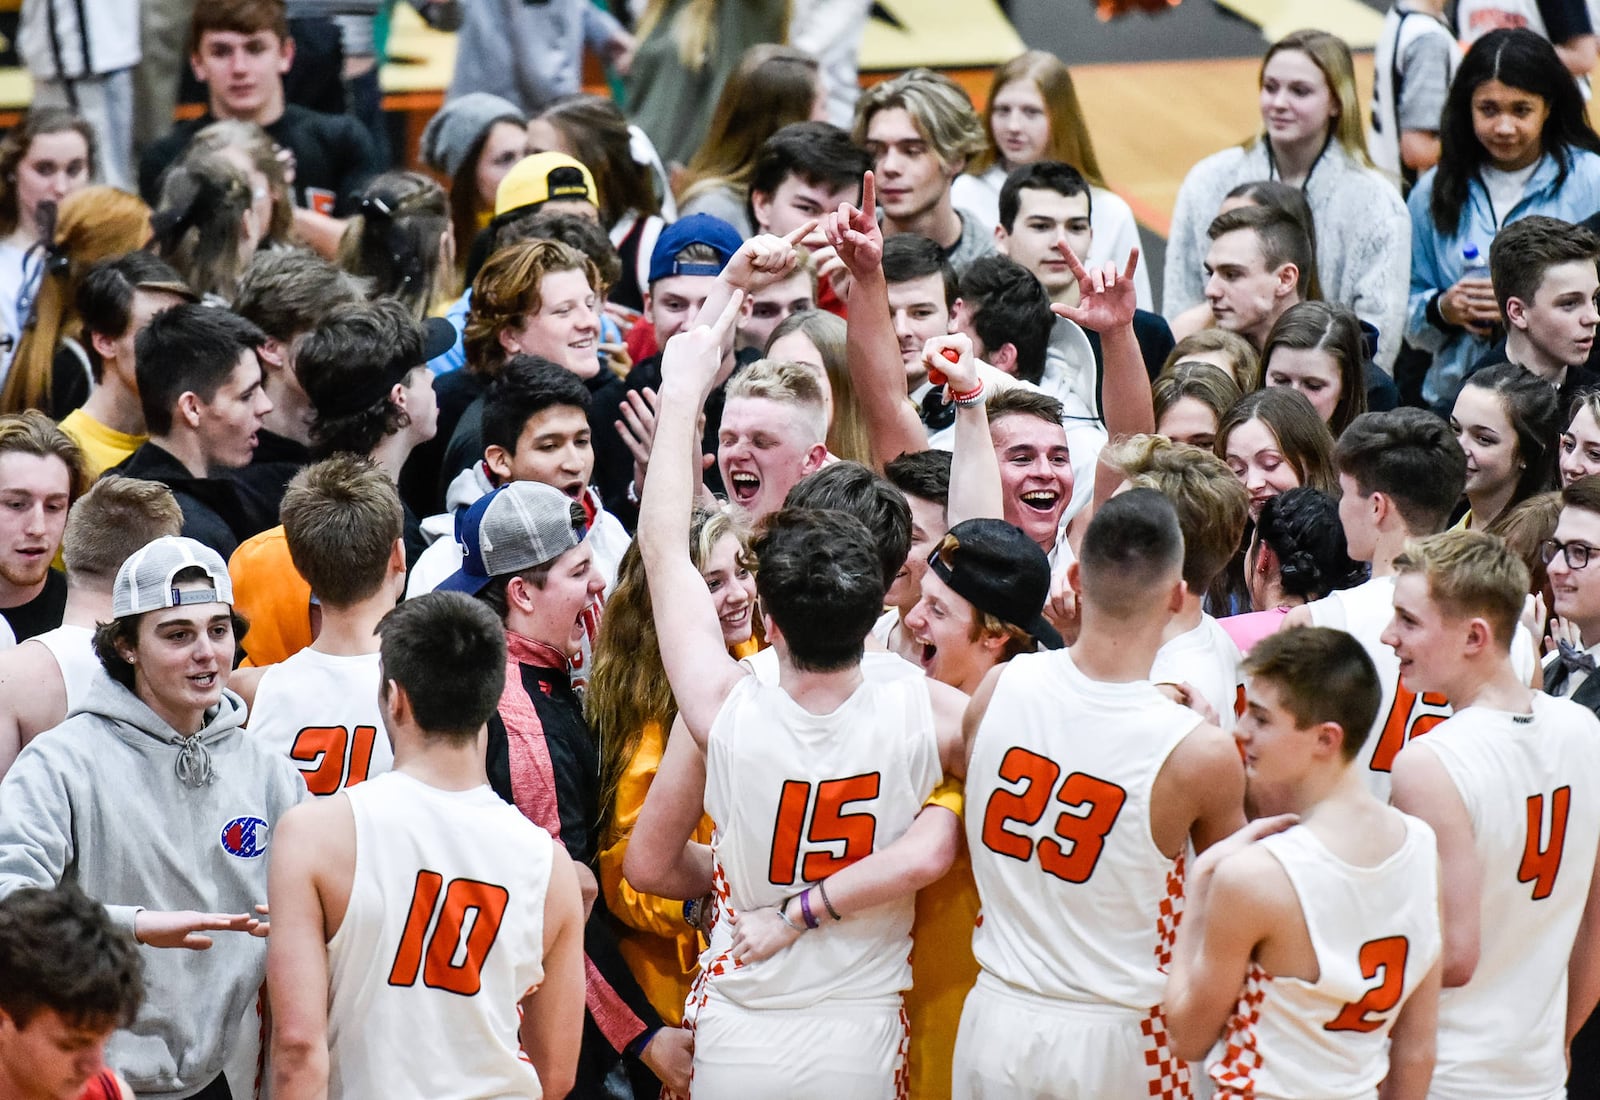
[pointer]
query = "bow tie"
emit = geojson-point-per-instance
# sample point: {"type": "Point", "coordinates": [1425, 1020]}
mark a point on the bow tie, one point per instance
{"type": "Point", "coordinates": [1574, 659]}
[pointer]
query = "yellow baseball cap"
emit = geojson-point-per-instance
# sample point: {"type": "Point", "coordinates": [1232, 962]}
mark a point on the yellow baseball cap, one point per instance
{"type": "Point", "coordinates": [544, 177]}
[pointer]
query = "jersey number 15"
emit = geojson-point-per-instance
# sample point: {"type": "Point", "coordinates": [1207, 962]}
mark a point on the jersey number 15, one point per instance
{"type": "Point", "coordinates": [822, 822]}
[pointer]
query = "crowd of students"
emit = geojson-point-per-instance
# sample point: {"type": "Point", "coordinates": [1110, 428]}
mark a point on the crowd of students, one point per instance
{"type": "Point", "coordinates": [788, 617]}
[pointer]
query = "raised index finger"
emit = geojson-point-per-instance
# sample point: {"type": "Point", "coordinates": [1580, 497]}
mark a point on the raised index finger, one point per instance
{"type": "Point", "coordinates": [869, 193]}
{"type": "Point", "coordinates": [800, 234]}
{"type": "Point", "coordinates": [1074, 265]}
{"type": "Point", "coordinates": [1133, 262]}
{"type": "Point", "coordinates": [724, 323]}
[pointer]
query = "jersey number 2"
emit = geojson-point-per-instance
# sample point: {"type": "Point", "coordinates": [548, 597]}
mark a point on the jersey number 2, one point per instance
{"type": "Point", "coordinates": [1540, 865]}
{"type": "Point", "coordinates": [326, 747]}
{"type": "Point", "coordinates": [1389, 956]}
{"type": "Point", "coordinates": [452, 958]}
{"type": "Point", "coordinates": [1101, 803]}
{"type": "Point", "coordinates": [829, 825]}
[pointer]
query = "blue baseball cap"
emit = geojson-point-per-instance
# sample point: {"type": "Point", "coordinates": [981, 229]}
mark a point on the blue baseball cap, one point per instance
{"type": "Point", "coordinates": [516, 527]}
{"type": "Point", "coordinates": [703, 229]}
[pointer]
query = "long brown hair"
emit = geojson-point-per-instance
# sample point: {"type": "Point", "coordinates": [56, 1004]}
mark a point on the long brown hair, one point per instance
{"type": "Point", "coordinates": [95, 224]}
{"type": "Point", "coordinates": [628, 688]}
{"type": "Point", "coordinates": [597, 133]}
{"type": "Point", "coordinates": [848, 435]}
{"type": "Point", "coordinates": [1069, 134]}
{"type": "Point", "coordinates": [772, 87]}
{"type": "Point", "coordinates": [14, 149]}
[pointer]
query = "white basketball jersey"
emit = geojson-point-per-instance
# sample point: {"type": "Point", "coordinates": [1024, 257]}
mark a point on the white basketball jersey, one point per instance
{"type": "Point", "coordinates": [1365, 612]}
{"type": "Point", "coordinates": [73, 649]}
{"type": "Point", "coordinates": [1376, 934]}
{"type": "Point", "coordinates": [1208, 660]}
{"type": "Point", "coordinates": [1531, 786]}
{"type": "Point", "coordinates": [796, 796]}
{"type": "Point", "coordinates": [322, 712]}
{"type": "Point", "coordinates": [1078, 903]}
{"type": "Point", "coordinates": [443, 938]}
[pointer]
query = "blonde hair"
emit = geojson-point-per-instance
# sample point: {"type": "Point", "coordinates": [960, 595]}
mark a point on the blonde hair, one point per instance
{"type": "Point", "coordinates": [257, 144]}
{"type": "Point", "coordinates": [31, 432]}
{"type": "Point", "coordinates": [938, 107]}
{"type": "Point", "coordinates": [848, 434]}
{"type": "Point", "coordinates": [96, 223]}
{"type": "Point", "coordinates": [1330, 54]}
{"type": "Point", "coordinates": [788, 384]}
{"type": "Point", "coordinates": [115, 518]}
{"type": "Point", "coordinates": [1069, 135]}
{"type": "Point", "coordinates": [772, 87]}
{"type": "Point", "coordinates": [1246, 363]}
{"type": "Point", "coordinates": [1470, 574]}
{"type": "Point", "coordinates": [694, 28]}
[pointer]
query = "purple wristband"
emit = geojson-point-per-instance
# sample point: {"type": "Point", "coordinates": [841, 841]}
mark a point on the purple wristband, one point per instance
{"type": "Point", "coordinates": [805, 910]}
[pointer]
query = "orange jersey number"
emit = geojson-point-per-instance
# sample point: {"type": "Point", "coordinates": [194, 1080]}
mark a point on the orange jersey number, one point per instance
{"type": "Point", "coordinates": [484, 901]}
{"type": "Point", "coordinates": [828, 826]}
{"type": "Point", "coordinates": [1094, 804]}
{"type": "Point", "coordinates": [1400, 727]}
{"type": "Point", "coordinates": [1540, 865]}
{"type": "Point", "coordinates": [1389, 956]}
{"type": "Point", "coordinates": [326, 748]}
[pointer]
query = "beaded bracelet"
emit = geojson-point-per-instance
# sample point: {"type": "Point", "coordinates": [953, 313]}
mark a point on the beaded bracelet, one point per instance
{"type": "Point", "coordinates": [972, 397]}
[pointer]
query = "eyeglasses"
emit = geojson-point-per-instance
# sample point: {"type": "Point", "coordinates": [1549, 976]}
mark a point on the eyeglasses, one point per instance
{"type": "Point", "coordinates": [1577, 553]}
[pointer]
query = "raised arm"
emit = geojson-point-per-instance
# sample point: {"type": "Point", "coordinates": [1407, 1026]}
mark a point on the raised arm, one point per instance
{"type": "Point", "coordinates": [871, 346]}
{"type": "Point", "coordinates": [698, 666]}
{"type": "Point", "coordinates": [1421, 787]}
{"type": "Point", "coordinates": [974, 467]}
{"type": "Point", "coordinates": [1106, 302]}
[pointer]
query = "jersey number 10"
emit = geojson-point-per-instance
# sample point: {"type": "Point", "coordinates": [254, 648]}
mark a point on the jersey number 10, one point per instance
{"type": "Point", "coordinates": [1101, 802]}
{"type": "Point", "coordinates": [452, 958]}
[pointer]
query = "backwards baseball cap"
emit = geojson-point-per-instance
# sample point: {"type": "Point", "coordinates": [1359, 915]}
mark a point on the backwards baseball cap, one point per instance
{"type": "Point", "coordinates": [518, 526]}
{"type": "Point", "coordinates": [438, 337]}
{"type": "Point", "coordinates": [544, 177]}
{"type": "Point", "coordinates": [1000, 571]}
{"type": "Point", "coordinates": [144, 583]}
{"type": "Point", "coordinates": [712, 232]}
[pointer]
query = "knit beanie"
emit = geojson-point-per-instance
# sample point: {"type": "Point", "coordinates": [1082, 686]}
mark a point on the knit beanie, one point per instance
{"type": "Point", "coordinates": [461, 122]}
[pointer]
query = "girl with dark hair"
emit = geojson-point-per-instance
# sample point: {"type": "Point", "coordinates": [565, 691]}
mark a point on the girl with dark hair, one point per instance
{"type": "Point", "coordinates": [473, 142]}
{"type": "Point", "coordinates": [1312, 139]}
{"type": "Point", "coordinates": [43, 159]}
{"type": "Point", "coordinates": [1514, 141]}
{"type": "Point", "coordinates": [401, 240]}
{"type": "Point", "coordinates": [1297, 554]}
{"type": "Point", "coordinates": [1274, 441]}
{"type": "Point", "coordinates": [1507, 420]}
{"type": "Point", "coordinates": [1190, 399]}
{"type": "Point", "coordinates": [1316, 348]}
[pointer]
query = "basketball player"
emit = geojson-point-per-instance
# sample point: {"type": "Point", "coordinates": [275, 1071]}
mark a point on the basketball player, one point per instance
{"type": "Point", "coordinates": [403, 945]}
{"type": "Point", "coordinates": [1400, 474]}
{"type": "Point", "coordinates": [1511, 785]}
{"type": "Point", "coordinates": [342, 520]}
{"type": "Point", "coordinates": [1077, 832]}
{"type": "Point", "coordinates": [1311, 936]}
{"type": "Point", "coordinates": [802, 779]}
{"type": "Point", "coordinates": [46, 677]}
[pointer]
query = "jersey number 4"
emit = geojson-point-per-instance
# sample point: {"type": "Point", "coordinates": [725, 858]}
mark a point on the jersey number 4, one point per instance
{"type": "Point", "coordinates": [828, 826]}
{"type": "Point", "coordinates": [1094, 804]}
{"type": "Point", "coordinates": [326, 748]}
{"type": "Point", "coordinates": [1389, 956]}
{"type": "Point", "coordinates": [452, 958]}
{"type": "Point", "coordinates": [1540, 865]}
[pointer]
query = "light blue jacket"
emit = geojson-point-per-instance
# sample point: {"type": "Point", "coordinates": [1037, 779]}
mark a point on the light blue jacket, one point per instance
{"type": "Point", "coordinates": [1436, 263]}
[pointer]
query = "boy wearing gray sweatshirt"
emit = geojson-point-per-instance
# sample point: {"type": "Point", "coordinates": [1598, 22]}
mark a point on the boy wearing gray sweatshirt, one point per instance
{"type": "Point", "coordinates": [153, 800]}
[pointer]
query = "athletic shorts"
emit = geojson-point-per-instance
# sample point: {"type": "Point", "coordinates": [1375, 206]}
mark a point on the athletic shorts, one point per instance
{"type": "Point", "coordinates": [833, 1051]}
{"type": "Point", "coordinates": [1016, 1045]}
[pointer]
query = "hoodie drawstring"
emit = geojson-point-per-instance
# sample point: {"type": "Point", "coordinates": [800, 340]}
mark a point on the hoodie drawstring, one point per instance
{"type": "Point", "coordinates": [194, 763]}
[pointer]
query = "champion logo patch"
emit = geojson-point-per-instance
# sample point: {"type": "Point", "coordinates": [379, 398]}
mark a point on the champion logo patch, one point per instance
{"type": "Point", "coordinates": [245, 837]}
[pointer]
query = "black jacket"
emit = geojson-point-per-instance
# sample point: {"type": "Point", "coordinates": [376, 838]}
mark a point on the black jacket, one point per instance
{"type": "Point", "coordinates": [217, 511]}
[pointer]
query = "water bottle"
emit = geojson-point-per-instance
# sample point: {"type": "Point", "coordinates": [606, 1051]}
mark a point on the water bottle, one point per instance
{"type": "Point", "coordinates": [1473, 264]}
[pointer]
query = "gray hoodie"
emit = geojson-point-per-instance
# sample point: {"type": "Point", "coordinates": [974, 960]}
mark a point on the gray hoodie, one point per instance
{"type": "Point", "coordinates": [114, 800]}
